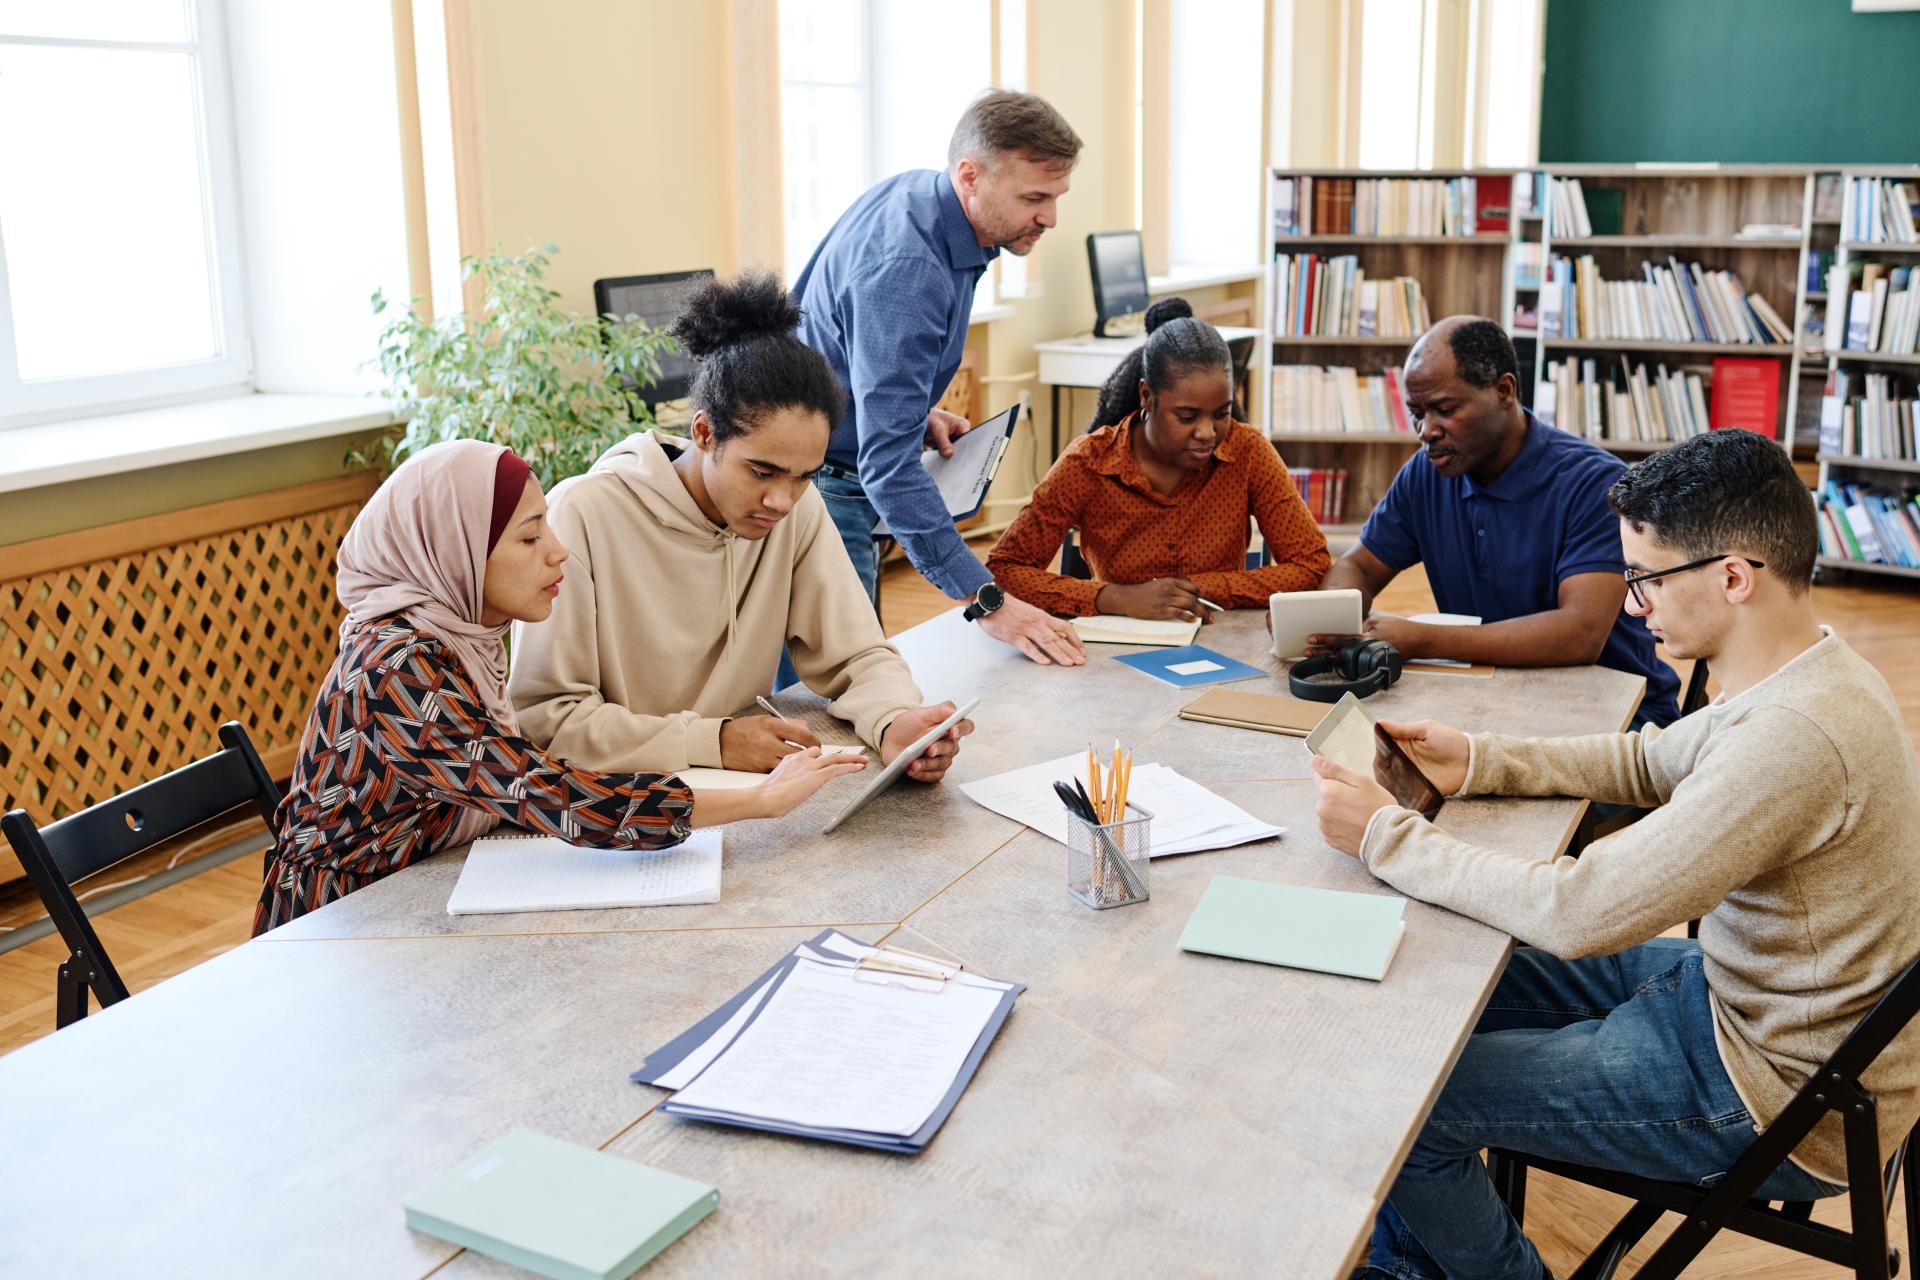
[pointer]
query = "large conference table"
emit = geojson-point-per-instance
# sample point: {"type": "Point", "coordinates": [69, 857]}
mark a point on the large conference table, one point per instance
{"type": "Point", "coordinates": [1144, 1111]}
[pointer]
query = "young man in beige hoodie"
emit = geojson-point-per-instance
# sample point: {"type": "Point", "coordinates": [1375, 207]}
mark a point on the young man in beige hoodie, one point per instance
{"type": "Point", "coordinates": [1784, 820]}
{"type": "Point", "coordinates": [695, 562]}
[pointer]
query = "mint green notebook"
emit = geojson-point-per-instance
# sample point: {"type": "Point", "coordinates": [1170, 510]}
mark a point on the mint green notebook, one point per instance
{"type": "Point", "coordinates": [1354, 934]}
{"type": "Point", "coordinates": [560, 1209]}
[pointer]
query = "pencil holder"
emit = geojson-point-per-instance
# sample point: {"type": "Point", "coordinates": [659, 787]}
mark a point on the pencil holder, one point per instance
{"type": "Point", "coordinates": [1107, 863]}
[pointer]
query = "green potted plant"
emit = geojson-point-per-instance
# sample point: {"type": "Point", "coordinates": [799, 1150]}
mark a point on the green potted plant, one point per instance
{"type": "Point", "coordinates": [558, 387]}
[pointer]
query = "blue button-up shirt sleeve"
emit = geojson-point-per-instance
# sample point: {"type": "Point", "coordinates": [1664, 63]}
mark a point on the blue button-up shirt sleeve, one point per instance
{"type": "Point", "coordinates": [1392, 531]}
{"type": "Point", "coordinates": [895, 321]}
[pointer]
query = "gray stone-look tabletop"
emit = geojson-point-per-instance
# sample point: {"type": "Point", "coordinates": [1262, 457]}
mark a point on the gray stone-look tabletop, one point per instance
{"type": "Point", "coordinates": [1144, 1110]}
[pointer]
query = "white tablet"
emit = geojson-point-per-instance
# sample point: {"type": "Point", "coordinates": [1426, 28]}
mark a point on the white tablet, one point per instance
{"type": "Point", "coordinates": [1299, 614]}
{"type": "Point", "coordinates": [891, 774]}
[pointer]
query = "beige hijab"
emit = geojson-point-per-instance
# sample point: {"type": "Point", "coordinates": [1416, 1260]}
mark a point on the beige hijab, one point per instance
{"type": "Point", "coordinates": [419, 548]}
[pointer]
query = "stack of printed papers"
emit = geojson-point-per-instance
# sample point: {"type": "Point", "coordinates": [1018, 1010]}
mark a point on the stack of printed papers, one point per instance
{"type": "Point", "coordinates": [1187, 818]}
{"type": "Point", "coordinates": [839, 1041]}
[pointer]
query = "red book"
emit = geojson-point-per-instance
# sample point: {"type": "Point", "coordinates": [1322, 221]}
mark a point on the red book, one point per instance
{"type": "Point", "coordinates": [1746, 393]}
{"type": "Point", "coordinates": [1494, 198]}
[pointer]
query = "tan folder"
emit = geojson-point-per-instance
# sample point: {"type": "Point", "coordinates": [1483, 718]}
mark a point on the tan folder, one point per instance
{"type": "Point", "coordinates": [1266, 712]}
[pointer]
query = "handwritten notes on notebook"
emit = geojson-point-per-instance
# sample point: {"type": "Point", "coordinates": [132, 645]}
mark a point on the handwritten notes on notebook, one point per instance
{"type": "Point", "coordinates": [542, 873]}
{"type": "Point", "coordinates": [1187, 818]}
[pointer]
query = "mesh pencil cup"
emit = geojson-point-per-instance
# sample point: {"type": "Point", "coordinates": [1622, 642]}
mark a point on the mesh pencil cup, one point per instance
{"type": "Point", "coordinates": [1107, 863]}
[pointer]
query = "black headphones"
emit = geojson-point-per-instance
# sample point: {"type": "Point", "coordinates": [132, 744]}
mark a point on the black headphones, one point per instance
{"type": "Point", "coordinates": [1366, 666]}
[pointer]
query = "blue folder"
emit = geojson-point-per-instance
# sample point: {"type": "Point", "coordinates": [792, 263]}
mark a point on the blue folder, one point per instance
{"type": "Point", "coordinates": [669, 1055]}
{"type": "Point", "coordinates": [1158, 663]}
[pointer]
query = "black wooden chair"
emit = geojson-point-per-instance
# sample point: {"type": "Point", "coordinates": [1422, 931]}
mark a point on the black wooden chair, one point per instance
{"type": "Point", "coordinates": [1074, 565]}
{"type": "Point", "coordinates": [1729, 1204]}
{"type": "Point", "coordinates": [1696, 695]}
{"type": "Point", "coordinates": [112, 831]}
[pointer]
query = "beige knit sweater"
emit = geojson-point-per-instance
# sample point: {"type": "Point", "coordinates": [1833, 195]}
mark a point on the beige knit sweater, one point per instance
{"type": "Point", "coordinates": [668, 624]}
{"type": "Point", "coordinates": [1788, 822]}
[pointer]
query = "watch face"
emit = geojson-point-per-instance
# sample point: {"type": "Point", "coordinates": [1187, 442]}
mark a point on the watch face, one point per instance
{"type": "Point", "coordinates": [991, 597]}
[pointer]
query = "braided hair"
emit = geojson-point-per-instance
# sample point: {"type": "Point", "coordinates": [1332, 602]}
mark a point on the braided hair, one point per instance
{"type": "Point", "coordinates": [750, 363]}
{"type": "Point", "coordinates": [1176, 345]}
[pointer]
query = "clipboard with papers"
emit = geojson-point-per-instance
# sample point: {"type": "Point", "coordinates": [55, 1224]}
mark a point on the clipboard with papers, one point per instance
{"type": "Point", "coordinates": [964, 478]}
{"type": "Point", "coordinates": [806, 1045]}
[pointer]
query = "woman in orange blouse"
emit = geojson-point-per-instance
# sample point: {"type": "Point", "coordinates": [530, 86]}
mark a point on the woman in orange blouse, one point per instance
{"type": "Point", "coordinates": [1161, 491]}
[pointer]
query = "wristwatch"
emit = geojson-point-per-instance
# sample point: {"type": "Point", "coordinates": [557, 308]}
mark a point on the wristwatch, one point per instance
{"type": "Point", "coordinates": [986, 600]}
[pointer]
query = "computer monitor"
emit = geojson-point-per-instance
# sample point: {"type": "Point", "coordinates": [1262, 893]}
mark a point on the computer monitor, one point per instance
{"type": "Point", "coordinates": [658, 300]}
{"type": "Point", "coordinates": [1119, 267]}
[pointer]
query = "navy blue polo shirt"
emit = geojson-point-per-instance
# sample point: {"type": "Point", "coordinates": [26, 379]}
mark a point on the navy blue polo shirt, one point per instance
{"type": "Point", "coordinates": [1501, 550]}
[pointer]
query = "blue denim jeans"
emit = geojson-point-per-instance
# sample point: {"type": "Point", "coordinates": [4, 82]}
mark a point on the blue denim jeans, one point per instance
{"type": "Point", "coordinates": [1607, 1061]}
{"type": "Point", "coordinates": [854, 517]}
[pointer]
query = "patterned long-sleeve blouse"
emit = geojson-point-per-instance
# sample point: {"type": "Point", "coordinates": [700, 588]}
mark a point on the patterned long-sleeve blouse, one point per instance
{"type": "Point", "coordinates": [398, 745]}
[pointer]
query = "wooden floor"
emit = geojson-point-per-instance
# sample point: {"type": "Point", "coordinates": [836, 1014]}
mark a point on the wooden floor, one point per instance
{"type": "Point", "coordinates": [175, 928]}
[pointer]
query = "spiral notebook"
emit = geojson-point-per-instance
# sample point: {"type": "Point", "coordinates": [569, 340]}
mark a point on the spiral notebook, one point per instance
{"type": "Point", "coordinates": [543, 873]}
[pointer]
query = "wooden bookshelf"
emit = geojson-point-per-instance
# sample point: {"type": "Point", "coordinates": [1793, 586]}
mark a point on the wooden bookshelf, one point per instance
{"type": "Point", "coordinates": [1889, 473]}
{"type": "Point", "coordinates": [1458, 274]}
{"type": "Point", "coordinates": [1693, 213]}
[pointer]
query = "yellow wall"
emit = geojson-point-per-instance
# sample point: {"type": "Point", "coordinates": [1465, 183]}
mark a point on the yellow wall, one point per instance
{"type": "Point", "coordinates": [603, 130]}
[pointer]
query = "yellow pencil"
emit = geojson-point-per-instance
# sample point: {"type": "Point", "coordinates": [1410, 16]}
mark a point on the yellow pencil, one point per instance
{"type": "Point", "coordinates": [1093, 783]}
{"type": "Point", "coordinates": [1113, 785]}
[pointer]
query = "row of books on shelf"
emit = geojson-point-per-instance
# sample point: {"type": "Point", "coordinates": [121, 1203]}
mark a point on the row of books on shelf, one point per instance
{"type": "Point", "coordinates": [1578, 399]}
{"type": "Point", "coordinates": [1311, 397]}
{"type": "Point", "coordinates": [1678, 302]}
{"type": "Point", "coordinates": [1877, 309]}
{"type": "Point", "coordinates": [1305, 205]}
{"type": "Point", "coordinates": [1876, 526]}
{"type": "Point", "coordinates": [1870, 416]}
{"type": "Point", "coordinates": [1324, 491]}
{"type": "Point", "coordinates": [1317, 296]}
{"type": "Point", "coordinates": [1569, 214]}
{"type": "Point", "coordinates": [1882, 210]}
{"type": "Point", "coordinates": [1526, 264]}
{"type": "Point", "coordinates": [1591, 398]}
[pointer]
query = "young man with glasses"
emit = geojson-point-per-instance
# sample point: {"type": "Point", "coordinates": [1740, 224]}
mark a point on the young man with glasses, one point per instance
{"type": "Point", "coordinates": [1786, 822]}
{"type": "Point", "coordinates": [1510, 518]}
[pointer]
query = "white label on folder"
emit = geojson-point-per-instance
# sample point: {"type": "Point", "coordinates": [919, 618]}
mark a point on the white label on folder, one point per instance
{"type": "Point", "coordinates": [1197, 667]}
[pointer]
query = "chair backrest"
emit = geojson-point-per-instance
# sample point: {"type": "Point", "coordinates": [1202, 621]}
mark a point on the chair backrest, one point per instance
{"type": "Point", "coordinates": [1835, 1087]}
{"type": "Point", "coordinates": [1074, 565]}
{"type": "Point", "coordinates": [112, 831]}
{"type": "Point", "coordinates": [1696, 694]}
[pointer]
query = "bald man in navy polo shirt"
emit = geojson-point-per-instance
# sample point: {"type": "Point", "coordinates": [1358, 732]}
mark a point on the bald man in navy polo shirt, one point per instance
{"type": "Point", "coordinates": [1510, 518]}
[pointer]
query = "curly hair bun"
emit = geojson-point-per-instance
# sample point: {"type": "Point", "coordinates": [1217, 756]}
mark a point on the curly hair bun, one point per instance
{"type": "Point", "coordinates": [1167, 309]}
{"type": "Point", "coordinates": [727, 313]}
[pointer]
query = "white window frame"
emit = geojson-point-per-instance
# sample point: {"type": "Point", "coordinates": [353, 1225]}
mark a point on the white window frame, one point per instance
{"type": "Point", "coordinates": [230, 371]}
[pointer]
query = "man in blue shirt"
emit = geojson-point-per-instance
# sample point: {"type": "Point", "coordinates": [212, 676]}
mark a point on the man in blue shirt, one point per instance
{"type": "Point", "coordinates": [1510, 518]}
{"type": "Point", "coordinates": [887, 298]}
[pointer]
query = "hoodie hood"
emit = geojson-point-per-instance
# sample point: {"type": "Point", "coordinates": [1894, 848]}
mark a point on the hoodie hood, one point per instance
{"type": "Point", "coordinates": [643, 462]}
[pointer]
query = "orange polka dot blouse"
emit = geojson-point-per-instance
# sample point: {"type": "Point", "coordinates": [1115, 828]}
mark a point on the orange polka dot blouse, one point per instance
{"type": "Point", "coordinates": [1129, 533]}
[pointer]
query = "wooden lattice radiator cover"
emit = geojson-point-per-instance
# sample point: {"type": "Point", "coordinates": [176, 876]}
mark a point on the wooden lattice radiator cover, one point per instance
{"type": "Point", "coordinates": [124, 648]}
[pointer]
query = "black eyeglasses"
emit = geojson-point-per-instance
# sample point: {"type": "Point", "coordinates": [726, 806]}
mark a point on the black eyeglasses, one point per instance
{"type": "Point", "coordinates": [1635, 579]}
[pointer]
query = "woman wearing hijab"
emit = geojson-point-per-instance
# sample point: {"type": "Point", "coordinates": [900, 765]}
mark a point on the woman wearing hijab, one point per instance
{"type": "Point", "coordinates": [413, 745]}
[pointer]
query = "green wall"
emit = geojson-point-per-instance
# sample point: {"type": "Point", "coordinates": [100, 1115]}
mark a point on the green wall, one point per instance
{"type": "Point", "coordinates": [1790, 81]}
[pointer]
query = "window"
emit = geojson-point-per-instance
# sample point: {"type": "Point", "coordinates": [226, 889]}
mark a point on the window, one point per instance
{"type": "Point", "coordinates": [868, 89]}
{"type": "Point", "coordinates": [1507, 76]}
{"type": "Point", "coordinates": [119, 253]}
{"type": "Point", "coordinates": [1394, 110]}
{"type": "Point", "coordinates": [1213, 132]}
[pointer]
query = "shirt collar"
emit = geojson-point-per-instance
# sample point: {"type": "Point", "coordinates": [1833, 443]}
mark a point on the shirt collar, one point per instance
{"type": "Point", "coordinates": [963, 246]}
{"type": "Point", "coordinates": [1112, 455]}
{"type": "Point", "coordinates": [1522, 473]}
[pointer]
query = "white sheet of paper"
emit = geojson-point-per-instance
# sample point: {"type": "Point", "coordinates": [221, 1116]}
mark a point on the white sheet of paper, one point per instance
{"type": "Point", "coordinates": [1443, 620]}
{"type": "Point", "coordinates": [832, 1051]}
{"type": "Point", "coordinates": [1187, 818]}
{"type": "Point", "coordinates": [1194, 668]}
{"type": "Point", "coordinates": [542, 873]}
{"type": "Point", "coordinates": [836, 949]}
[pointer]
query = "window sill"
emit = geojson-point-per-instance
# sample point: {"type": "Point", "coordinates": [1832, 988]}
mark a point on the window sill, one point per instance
{"type": "Point", "coordinates": [1201, 276]}
{"type": "Point", "coordinates": [81, 448]}
{"type": "Point", "coordinates": [987, 315]}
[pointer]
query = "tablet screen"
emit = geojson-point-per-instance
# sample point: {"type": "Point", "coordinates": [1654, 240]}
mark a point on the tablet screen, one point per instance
{"type": "Point", "coordinates": [1397, 772]}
